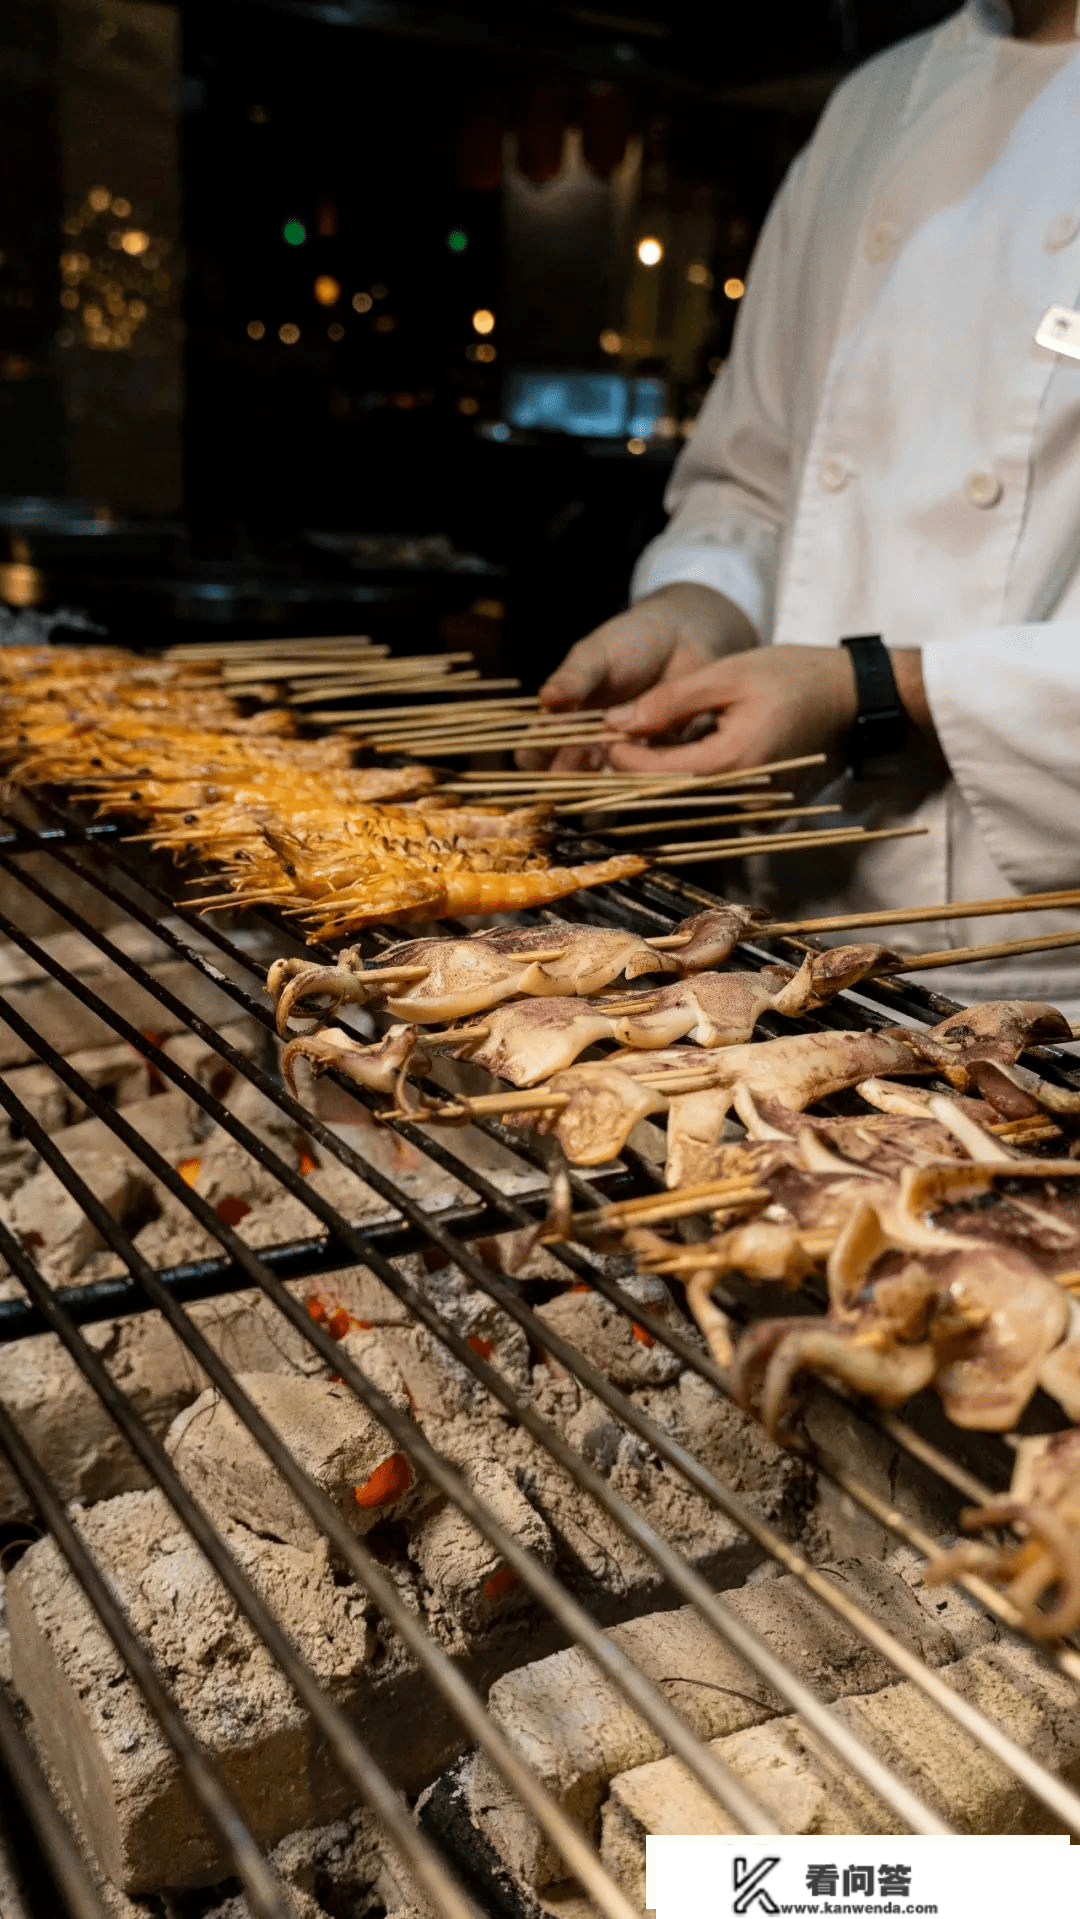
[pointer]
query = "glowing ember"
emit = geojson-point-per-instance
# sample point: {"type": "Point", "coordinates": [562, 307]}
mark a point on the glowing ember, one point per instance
{"type": "Point", "coordinates": [387, 1483]}
{"type": "Point", "coordinates": [307, 1162]}
{"type": "Point", "coordinates": [330, 1314]}
{"type": "Point", "coordinates": [232, 1209]}
{"type": "Point", "coordinates": [189, 1170]}
{"type": "Point", "coordinates": [500, 1583]}
{"type": "Point", "coordinates": [485, 1347]}
{"type": "Point", "coordinates": [643, 1338]}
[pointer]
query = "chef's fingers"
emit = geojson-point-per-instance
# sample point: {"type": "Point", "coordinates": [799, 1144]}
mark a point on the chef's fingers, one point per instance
{"type": "Point", "coordinates": [712, 754]}
{"type": "Point", "coordinates": [568, 759]}
{"type": "Point", "coordinates": [582, 677]}
{"type": "Point", "coordinates": [672, 702]}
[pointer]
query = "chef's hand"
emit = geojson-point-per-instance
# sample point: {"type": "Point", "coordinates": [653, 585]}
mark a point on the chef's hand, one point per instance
{"type": "Point", "coordinates": [776, 703]}
{"type": "Point", "coordinates": [666, 635]}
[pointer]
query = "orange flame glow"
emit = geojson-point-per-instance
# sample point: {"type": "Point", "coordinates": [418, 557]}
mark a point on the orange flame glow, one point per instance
{"type": "Point", "coordinates": [500, 1583]}
{"type": "Point", "coordinates": [328, 1313]}
{"type": "Point", "coordinates": [391, 1478]}
{"type": "Point", "coordinates": [189, 1170]}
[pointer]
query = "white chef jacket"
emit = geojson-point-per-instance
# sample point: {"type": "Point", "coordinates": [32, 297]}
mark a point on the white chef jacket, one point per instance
{"type": "Point", "coordinates": [888, 451]}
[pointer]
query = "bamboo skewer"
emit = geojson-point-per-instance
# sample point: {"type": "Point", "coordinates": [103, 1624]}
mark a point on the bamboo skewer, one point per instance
{"type": "Point", "coordinates": [491, 743]}
{"type": "Point", "coordinates": [373, 688]}
{"type": "Point", "coordinates": [896, 916]}
{"type": "Point", "coordinates": [690, 781]}
{"type": "Point", "coordinates": [432, 732]}
{"type": "Point", "coordinates": [386, 716]}
{"type": "Point", "coordinates": [662, 801]}
{"type": "Point", "coordinates": [1001, 949]}
{"type": "Point", "coordinates": [917, 915]}
{"type": "Point", "coordinates": [683, 855]}
{"type": "Point", "coordinates": [239, 649]}
{"type": "Point", "coordinates": [374, 659]}
{"type": "Point", "coordinates": [720, 819]}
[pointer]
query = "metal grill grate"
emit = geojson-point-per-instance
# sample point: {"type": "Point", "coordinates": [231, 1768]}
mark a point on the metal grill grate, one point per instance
{"type": "Point", "coordinates": [65, 849]}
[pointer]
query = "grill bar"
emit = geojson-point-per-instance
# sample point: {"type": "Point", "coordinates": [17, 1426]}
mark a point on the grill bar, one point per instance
{"type": "Point", "coordinates": [66, 1864]}
{"type": "Point", "coordinates": [199, 1279]}
{"type": "Point", "coordinates": [849, 1748]}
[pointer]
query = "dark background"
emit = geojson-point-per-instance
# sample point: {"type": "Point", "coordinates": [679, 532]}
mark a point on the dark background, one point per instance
{"type": "Point", "coordinates": [168, 458]}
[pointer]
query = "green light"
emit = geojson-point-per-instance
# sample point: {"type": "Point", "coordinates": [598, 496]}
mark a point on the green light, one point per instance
{"type": "Point", "coordinates": [294, 233]}
{"type": "Point", "coordinates": [457, 240]}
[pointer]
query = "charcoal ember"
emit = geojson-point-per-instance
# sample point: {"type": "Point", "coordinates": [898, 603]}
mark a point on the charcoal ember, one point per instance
{"type": "Point", "coordinates": [616, 1345]}
{"type": "Point", "coordinates": [465, 1573]}
{"type": "Point", "coordinates": [339, 1444]}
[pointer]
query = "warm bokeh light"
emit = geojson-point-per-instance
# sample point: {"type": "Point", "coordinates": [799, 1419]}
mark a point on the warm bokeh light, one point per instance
{"type": "Point", "coordinates": [134, 241]}
{"type": "Point", "coordinates": [327, 290]}
{"type": "Point", "coordinates": [698, 274]}
{"type": "Point", "coordinates": [255, 330]}
{"type": "Point", "coordinates": [288, 334]}
{"type": "Point", "coordinates": [93, 316]}
{"type": "Point", "coordinates": [734, 288]}
{"type": "Point", "coordinates": [385, 323]}
{"type": "Point", "coordinates": [650, 252]}
{"type": "Point", "coordinates": [610, 341]}
{"type": "Point", "coordinates": [467, 404]}
{"type": "Point", "coordinates": [483, 320]}
{"type": "Point", "coordinates": [335, 331]}
{"type": "Point", "coordinates": [121, 208]}
{"type": "Point", "coordinates": [486, 353]}
{"type": "Point", "coordinates": [69, 298]}
{"type": "Point", "coordinates": [635, 445]}
{"type": "Point", "coordinates": [100, 199]}
{"type": "Point", "coordinates": [362, 302]}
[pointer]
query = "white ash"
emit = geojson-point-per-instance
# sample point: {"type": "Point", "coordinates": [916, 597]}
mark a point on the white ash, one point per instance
{"type": "Point", "coordinates": [102, 1740]}
{"type": "Point", "coordinates": [63, 1420]}
{"type": "Point", "coordinates": [338, 1443]}
{"type": "Point", "coordinates": [616, 1345]}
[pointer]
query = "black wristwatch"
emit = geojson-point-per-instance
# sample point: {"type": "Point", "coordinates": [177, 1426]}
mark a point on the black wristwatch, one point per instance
{"type": "Point", "coordinates": [881, 721]}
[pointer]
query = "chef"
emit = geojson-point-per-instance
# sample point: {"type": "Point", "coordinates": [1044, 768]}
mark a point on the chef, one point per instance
{"type": "Point", "coordinates": [890, 457]}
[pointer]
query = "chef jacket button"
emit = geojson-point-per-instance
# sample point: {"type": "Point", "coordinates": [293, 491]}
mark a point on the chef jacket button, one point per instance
{"type": "Point", "coordinates": [983, 489]}
{"type": "Point", "coordinates": [879, 242]}
{"type": "Point", "coordinates": [1061, 232]}
{"type": "Point", "coordinates": [834, 473]}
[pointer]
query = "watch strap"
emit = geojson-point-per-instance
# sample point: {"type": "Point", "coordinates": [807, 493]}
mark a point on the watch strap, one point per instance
{"type": "Point", "coordinates": [881, 721]}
